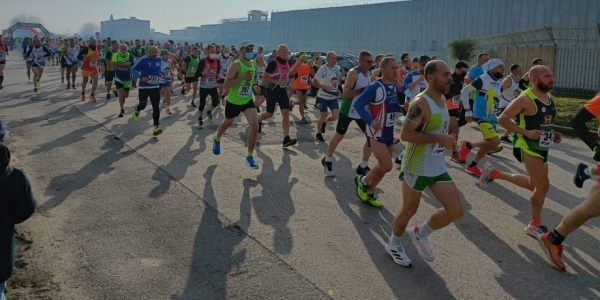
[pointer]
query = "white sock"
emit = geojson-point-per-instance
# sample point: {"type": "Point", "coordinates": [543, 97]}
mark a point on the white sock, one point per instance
{"type": "Point", "coordinates": [394, 240]}
{"type": "Point", "coordinates": [424, 230]}
{"type": "Point", "coordinates": [362, 179]}
{"type": "Point", "coordinates": [328, 158]}
{"type": "Point", "coordinates": [364, 164]}
{"type": "Point", "coordinates": [588, 171]}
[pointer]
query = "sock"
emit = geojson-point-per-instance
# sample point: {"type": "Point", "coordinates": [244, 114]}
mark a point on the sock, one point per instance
{"type": "Point", "coordinates": [473, 164]}
{"type": "Point", "coordinates": [328, 158]}
{"type": "Point", "coordinates": [1, 79]}
{"type": "Point", "coordinates": [588, 171]}
{"type": "Point", "coordinates": [217, 139]}
{"type": "Point", "coordinates": [535, 223]}
{"type": "Point", "coordinates": [494, 175]}
{"type": "Point", "coordinates": [394, 240]}
{"type": "Point", "coordinates": [249, 154]}
{"type": "Point", "coordinates": [424, 230]}
{"type": "Point", "coordinates": [364, 164]}
{"type": "Point", "coordinates": [362, 179]}
{"type": "Point", "coordinates": [555, 238]}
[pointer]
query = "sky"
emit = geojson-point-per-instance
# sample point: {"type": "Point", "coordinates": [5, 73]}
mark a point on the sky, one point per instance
{"type": "Point", "coordinates": [62, 16]}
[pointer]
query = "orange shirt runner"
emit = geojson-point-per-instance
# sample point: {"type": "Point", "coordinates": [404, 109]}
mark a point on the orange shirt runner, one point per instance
{"type": "Point", "coordinates": [302, 72]}
{"type": "Point", "coordinates": [90, 62]}
{"type": "Point", "coordinates": [593, 106]}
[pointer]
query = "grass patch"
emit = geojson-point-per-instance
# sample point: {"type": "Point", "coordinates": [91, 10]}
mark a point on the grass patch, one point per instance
{"type": "Point", "coordinates": [566, 108]}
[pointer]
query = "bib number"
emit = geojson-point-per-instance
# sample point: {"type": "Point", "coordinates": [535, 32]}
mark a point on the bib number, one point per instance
{"type": "Point", "coordinates": [244, 91]}
{"type": "Point", "coordinates": [211, 80]}
{"type": "Point", "coordinates": [547, 139]}
{"type": "Point", "coordinates": [334, 86]}
{"type": "Point", "coordinates": [153, 79]}
{"type": "Point", "coordinates": [303, 79]}
{"type": "Point", "coordinates": [438, 149]}
{"type": "Point", "coordinates": [194, 69]}
{"type": "Point", "coordinates": [93, 64]}
{"type": "Point", "coordinates": [456, 100]}
{"type": "Point", "coordinates": [390, 120]}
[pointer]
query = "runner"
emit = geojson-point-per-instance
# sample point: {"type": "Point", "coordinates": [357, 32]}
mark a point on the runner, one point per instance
{"type": "Point", "coordinates": [166, 76]}
{"type": "Point", "coordinates": [225, 62]}
{"type": "Point", "coordinates": [487, 87]}
{"type": "Point", "coordinates": [71, 62]}
{"type": "Point", "coordinates": [89, 67]}
{"type": "Point", "coordinates": [148, 70]}
{"type": "Point", "coordinates": [28, 58]}
{"type": "Point", "coordinates": [588, 112]}
{"type": "Point", "coordinates": [138, 52]}
{"type": "Point", "coordinates": [453, 101]}
{"type": "Point", "coordinates": [510, 90]}
{"type": "Point", "coordinates": [122, 62]}
{"type": "Point", "coordinates": [208, 70]}
{"type": "Point", "coordinates": [61, 59]}
{"type": "Point", "coordinates": [534, 112]}
{"type": "Point", "coordinates": [327, 80]}
{"type": "Point", "coordinates": [38, 54]}
{"type": "Point", "coordinates": [189, 65]}
{"type": "Point", "coordinates": [107, 46]}
{"type": "Point", "coordinates": [357, 81]}
{"type": "Point", "coordinates": [259, 88]}
{"type": "Point", "coordinates": [382, 102]}
{"type": "Point", "coordinates": [54, 51]}
{"type": "Point", "coordinates": [240, 79]}
{"type": "Point", "coordinates": [426, 131]}
{"type": "Point", "coordinates": [551, 242]}
{"type": "Point", "coordinates": [110, 71]}
{"type": "Point", "coordinates": [303, 71]}
{"type": "Point", "coordinates": [525, 83]}
{"type": "Point", "coordinates": [3, 54]}
{"type": "Point", "coordinates": [276, 77]}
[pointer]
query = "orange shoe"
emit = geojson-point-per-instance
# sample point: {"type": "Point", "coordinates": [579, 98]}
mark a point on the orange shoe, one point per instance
{"type": "Point", "coordinates": [92, 98]}
{"type": "Point", "coordinates": [82, 97]}
{"type": "Point", "coordinates": [473, 170]}
{"type": "Point", "coordinates": [553, 252]}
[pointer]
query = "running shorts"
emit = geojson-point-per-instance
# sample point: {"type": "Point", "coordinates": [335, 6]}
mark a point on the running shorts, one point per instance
{"type": "Point", "coordinates": [344, 122]}
{"type": "Point", "coordinates": [123, 85]}
{"type": "Point", "coordinates": [324, 104]}
{"type": "Point", "coordinates": [109, 76]}
{"type": "Point", "coordinates": [191, 79]}
{"type": "Point", "coordinates": [89, 73]}
{"type": "Point", "coordinates": [519, 154]}
{"type": "Point", "coordinates": [234, 110]}
{"type": "Point", "coordinates": [487, 129]}
{"type": "Point", "coordinates": [419, 183]}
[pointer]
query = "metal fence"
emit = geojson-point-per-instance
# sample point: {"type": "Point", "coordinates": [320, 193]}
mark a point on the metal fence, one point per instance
{"type": "Point", "coordinates": [572, 53]}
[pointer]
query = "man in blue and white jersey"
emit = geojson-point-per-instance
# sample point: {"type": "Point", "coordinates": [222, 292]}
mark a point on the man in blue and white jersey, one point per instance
{"type": "Point", "coordinates": [148, 70]}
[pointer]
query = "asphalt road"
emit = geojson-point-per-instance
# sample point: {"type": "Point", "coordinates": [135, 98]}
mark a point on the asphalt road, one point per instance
{"type": "Point", "coordinates": [124, 215]}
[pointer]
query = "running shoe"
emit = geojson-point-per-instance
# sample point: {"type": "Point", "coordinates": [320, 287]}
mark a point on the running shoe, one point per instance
{"type": "Point", "coordinates": [495, 150]}
{"type": "Point", "coordinates": [121, 113]}
{"type": "Point", "coordinates": [580, 177]}
{"type": "Point", "coordinates": [157, 131]}
{"type": "Point", "coordinates": [421, 243]}
{"type": "Point", "coordinates": [463, 152]}
{"type": "Point", "coordinates": [73, 86]}
{"type": "Point", "coordinates": [304, 120]}
{"type": "Point", "coordinates": [200, 124]}
{"type": "Point", "coordinates": [372, 200]}
{"type": "Point", "coordinates": [62, 80]}
{"type": "Point", "coordinates": [486, 175]}
{"type": "Point", "coordinates": [361, 189]}
{"type": "Point", "coordinates": [35, 89]}
{"type": "Point", "coordinates": [82, 97]}
{"type": "Point", "coordinates": [319, 137]}
{"type": "Point", "coordinates": [250, 163]}
{"type": "Point", "coordinates": [210, 116]}
{"type": "Point", "coordinates": [398, 254]}
{"type": "Point", "coordinates": [535, 231]}
{"type": "Point", "coordinates": [115, 93]}
{"type": "Point", "coordinates": [169, 112]}
{"type": "Point", "coordinates": [107, 96]}
{"type": "Point", "coordinates": [136, 114]}
{"type": "Point", "coordinates": [287, 141]}
{"type": "Point", "coordinates": [475, 171]}
{"type": "Point", "coordinates": [553, 252]}
{"type": "Point", "coordinates": [92, 98]}
{"type": "Point", "coordinates": [68, 86]}
{"type": "Point", "coordinates": [216, 146]}
{"type": "Point", "coordinates": [454, 157]}
{"type": "Point", "coordinates": [327, 167]}
{"type": "Point", "coordinates": [192, 103]}
{"type": "Point", "coordinates": [362, 171]}
{"type": "Point", "coordinates": [506, 140]}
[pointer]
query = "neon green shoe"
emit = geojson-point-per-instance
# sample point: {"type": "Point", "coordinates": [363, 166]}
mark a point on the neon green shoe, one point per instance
{"type": "Point", "coordinates": [371, 200]}
{"type": "Point", "coordinates": [136, 114]}
{"type": "Point", "coordinates": [157, 131]}
{"type": "Point", "coordinates": [361, 189]}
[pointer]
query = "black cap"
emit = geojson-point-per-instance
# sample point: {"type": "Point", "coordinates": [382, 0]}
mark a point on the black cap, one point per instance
{"type": "Point", "coordinates": [4, 158]}
{"type": "Point", "coordinates": [423, 59]}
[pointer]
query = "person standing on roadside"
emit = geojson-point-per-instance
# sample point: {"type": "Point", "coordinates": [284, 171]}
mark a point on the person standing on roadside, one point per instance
{"type": "Point", "coordinates": [16, 205]}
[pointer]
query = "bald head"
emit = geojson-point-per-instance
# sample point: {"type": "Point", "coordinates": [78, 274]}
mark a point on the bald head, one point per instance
{"type": "Point", "coordinates": [541, 78]}
{"type": "Point", "coordinates": [538, 70]}
{"type": "Point", "coordinates": [282, 51]}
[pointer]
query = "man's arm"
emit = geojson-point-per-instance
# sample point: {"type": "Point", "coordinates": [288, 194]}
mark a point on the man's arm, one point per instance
{"type": "Point", "coordinates": [351, 78]}
{"type": "Point", "coordinates": [418, 114]}
{"type": "Point", "coordinates": [476, 85]}
{"type": "Point", "coordinates": [513, 109]}
{"type": "Point", "coordinates": [230, 80]}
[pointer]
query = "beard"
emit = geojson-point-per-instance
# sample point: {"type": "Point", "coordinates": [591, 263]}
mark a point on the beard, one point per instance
{"type": "Point", "coordinates": [545, 87]}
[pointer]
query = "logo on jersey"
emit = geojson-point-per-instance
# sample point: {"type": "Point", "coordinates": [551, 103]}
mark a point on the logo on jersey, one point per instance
{"type": "Point", "coordinates": [547, 119]}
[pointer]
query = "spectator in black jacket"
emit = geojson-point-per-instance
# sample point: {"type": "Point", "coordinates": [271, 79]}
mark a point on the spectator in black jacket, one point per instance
{"type": "Point", "coordinates": [16, 205]}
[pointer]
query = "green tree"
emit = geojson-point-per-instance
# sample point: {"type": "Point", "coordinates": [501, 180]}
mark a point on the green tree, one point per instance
{"type": "Point", "coordinates": [463, 49]}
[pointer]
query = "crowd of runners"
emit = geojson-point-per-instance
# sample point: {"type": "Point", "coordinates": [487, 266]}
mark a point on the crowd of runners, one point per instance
{"type": "Point", "coordinates": [430, 100]}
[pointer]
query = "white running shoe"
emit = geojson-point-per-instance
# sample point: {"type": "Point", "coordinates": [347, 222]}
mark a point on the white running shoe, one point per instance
{"type": "Point", "coordinates": [398, 254]}
{"type": "Point", "coordinates": [486, 174]}
{"type": "Point", "coordinates": [421, 243]}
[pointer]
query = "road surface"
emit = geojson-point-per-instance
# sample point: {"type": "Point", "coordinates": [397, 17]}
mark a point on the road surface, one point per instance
{"type": "Point", "coordinates": [123, 215]}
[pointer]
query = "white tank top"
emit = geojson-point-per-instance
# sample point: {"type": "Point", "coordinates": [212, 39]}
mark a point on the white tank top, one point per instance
{"type": "Point", "coordinates": [225, 64]}
{"type": "Point", "coordinates": [509, 94]}
{"type": "Point", "coordinates": [260, 73]}
{"type": "Point", "coordinates": [72, 53]}
{"type": "Point", "coordinates": [362, 81]}
{"type": "Point", "coordinates": [428, 159]}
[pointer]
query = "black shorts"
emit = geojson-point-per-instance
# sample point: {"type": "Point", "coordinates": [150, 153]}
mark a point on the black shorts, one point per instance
{"type": "Point", "coordinates": [214, 97]}
{"type": "Point", "coordinates": [302, 91]}
{"type": "Point", "coordinates": [277, 96]}
{"type": "Point", "coordinates": [3, 62]}
{"type": "Point", "coordinates": [454, 112]}
{"type": "Point", "coordinates": [109, 76]}
{"type": "Point", "coordinates": [234, 110]}
{"type": "Point", "coordinates": [344, 121]}
{"type": "Point", "coordinates": [191, 79]}
{"type": "Point", "coordinates": [221, 80]}
{"type": "Point", "coordinates": [119, 85]}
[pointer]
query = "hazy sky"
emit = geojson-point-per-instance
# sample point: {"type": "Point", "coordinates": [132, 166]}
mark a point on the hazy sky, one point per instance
{"type": "Point", "coordinates": [60, 16]}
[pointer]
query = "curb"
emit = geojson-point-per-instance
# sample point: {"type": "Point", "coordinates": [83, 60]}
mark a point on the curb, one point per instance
{"type": "Point", "coordinates": [570, 132]}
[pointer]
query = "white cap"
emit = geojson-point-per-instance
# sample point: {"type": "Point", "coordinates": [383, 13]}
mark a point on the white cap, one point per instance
{"type": "Point", "coordinates": [246, 43]}
{"type": "Point", "coordinates": [494, 62]}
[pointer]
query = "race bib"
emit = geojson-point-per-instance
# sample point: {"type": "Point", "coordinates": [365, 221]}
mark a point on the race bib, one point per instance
{"type": "Point", "coordinates": [244, 91]}
{"type": "Point", "coordinates": [153, 79]}
{"type": "Point", "coordinates": [546, 139]}
{"type": "Point", "coordinates": [93, 64]}
{"type": "Point", "coordinates": [303, 79]}
{"type": "Point", "coordinates": [194, 69]}
{"type": "Point", "coordinates": [390, 119]}
{"type": "Point", "coordinates": [211, 80]}
{"type": "Point", "coordinates": [334, 86]}
{"type": "Point", "coordinates": [456, 100]}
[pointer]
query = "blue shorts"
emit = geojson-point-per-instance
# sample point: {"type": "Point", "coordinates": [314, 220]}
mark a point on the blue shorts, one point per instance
{"type": "Point", "coordinates": [324, 104]}
{"type": "Point", "coordinates": [388, 141]}
{"type": "Point", "coordinates": [164, 84]}
{"type": "Point", "coordinates": [102, 60]}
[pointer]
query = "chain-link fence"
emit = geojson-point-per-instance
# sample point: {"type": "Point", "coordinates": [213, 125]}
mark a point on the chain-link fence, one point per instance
{"type": "Point", "coordinates": [572, 53]}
